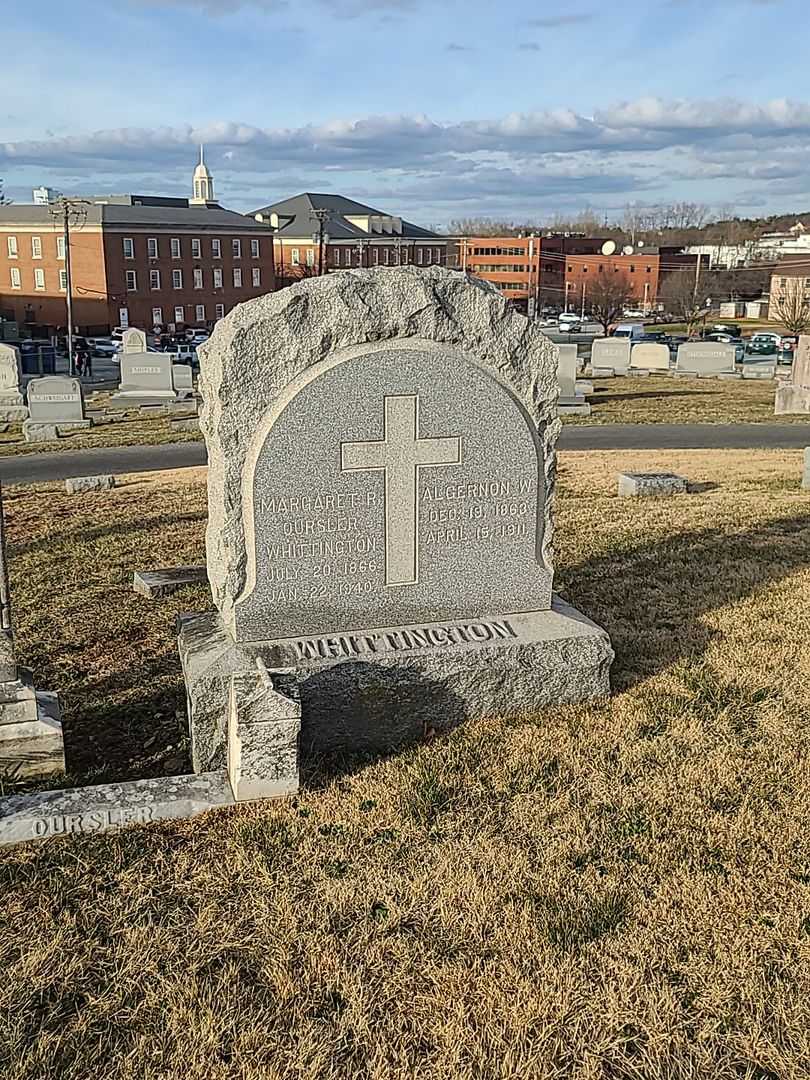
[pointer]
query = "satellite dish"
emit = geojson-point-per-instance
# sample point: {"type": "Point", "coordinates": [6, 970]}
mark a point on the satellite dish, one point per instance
{"type": "Point", "coordinates": [641, 243]}
{"type": "Point", "coordinates": [608, 247]}
{"type": "Point", "coordinates": [627, 249]}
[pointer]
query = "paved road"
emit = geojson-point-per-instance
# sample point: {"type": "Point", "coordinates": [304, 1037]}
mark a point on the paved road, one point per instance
{"type": "Point", "coordinates": [38, 468]}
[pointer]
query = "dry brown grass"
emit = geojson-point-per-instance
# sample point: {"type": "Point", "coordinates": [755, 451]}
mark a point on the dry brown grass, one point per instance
{"type": "Point", "coordinates": [133, 431]}
{"type": "Point", "coordinates": [660, 399]}
{"type": "Point", "coordinates": [609, 891]}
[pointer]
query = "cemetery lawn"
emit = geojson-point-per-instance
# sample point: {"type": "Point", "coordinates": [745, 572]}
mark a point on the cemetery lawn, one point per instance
{"type": "Point", "coordinates": [617, 890]}
{"type": "Point", "coordinates": [133, 431]}
{"type": "Point", "coordinates": [660, 399]}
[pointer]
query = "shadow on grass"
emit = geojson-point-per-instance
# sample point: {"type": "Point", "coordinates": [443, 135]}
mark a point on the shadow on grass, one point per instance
{"type": "Point", "coordinates": [652, 599]}
{"type": "Point", "coordinates": [661, 392]}
{"type": "Point", "coordinates": [86, 536]}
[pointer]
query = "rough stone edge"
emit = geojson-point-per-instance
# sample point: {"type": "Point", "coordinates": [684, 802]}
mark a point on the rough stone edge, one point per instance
{"type": "Point", "coordinates": [301, 325]}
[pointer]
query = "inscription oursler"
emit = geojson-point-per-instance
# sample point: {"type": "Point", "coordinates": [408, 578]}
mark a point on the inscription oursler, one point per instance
{"type": "Point", "coordinates": [400, 455]}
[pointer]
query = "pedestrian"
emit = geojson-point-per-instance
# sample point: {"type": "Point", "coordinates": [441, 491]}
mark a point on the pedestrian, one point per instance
{"type": "Point", "coordinates": [88, 363]}
{"type": "Point", "coordinates": [78, 360]}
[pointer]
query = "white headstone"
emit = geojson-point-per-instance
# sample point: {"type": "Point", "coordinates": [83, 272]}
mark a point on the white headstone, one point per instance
{"type": "Point", "coordinates": [55, 399]}
{"type": "Point", "coordinates": [182, 377]}
{"type": "Point", "coordinates": [9, 370]}
{"type": "Point", "coordinates": [611, 353]}
{"type": "Point", "coordinates": [567, 372]}
{"type": "Point", "coordinates": [133, 341]}
{"type": "Point", "coordinates": [146, 378]}
{"type": "Point", "coordinates": [650, 356]}
{"type": "Point", "coordinates": [705, 357]}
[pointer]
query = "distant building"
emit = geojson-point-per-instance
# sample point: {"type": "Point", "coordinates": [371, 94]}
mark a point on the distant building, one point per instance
{"type": "Point", "coordinates": [790, 272]}
{"type": "Point", "coordinates": [43, 195]}
{"type": "Point", "coordinates": [354, 235]}
{"type": "Point", "coordinates": [557, 271]}
{"type": "Point", "coordinates": [137, 260]}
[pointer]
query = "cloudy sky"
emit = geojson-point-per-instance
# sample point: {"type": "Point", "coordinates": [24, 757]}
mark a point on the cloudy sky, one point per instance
{"type": "Point", "coordinates": [435, 109]}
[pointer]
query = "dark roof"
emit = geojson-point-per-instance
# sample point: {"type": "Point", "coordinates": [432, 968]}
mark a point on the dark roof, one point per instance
{"type": "Point", "coordinates": [300, 224]}
{"type": "Point", "coordinates": [116, 215]}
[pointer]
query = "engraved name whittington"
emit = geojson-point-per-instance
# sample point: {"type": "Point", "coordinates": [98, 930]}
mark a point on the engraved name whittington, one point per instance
{"type": "Point", "coordinates": [400, 455]}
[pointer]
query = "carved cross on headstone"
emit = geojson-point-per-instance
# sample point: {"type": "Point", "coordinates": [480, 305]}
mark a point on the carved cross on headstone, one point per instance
{"type": "Point", "coordinates": [400, 455]}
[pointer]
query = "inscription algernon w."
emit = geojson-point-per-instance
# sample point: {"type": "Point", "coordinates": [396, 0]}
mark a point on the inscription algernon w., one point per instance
{"type": "Point", "coordinates": [400, 455]}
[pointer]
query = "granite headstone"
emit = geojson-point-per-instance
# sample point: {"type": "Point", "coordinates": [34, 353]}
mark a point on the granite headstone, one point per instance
{"type": "Point", "coordinates": [649, 356]}
{"type": "Point", "coordinates": [705, 357]}
{"type": "Point", "coordinates": [55, 405]}
{"type": "Point", "coordinates": [381, 470]}
{"type": "Point", "coordinates": [12, 404]}
{"type": "Point", "coordinates": [571, 400]}
{"type": "Point", "coordinates": [146, 379]}
{"type": "Point", "coordinates": [610, 354]}
{"type": "Point", "coordinates": [793, 395]}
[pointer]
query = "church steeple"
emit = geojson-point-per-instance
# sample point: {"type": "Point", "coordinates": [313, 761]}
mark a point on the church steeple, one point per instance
{"type": "Point", "coordinates": [203, 183]}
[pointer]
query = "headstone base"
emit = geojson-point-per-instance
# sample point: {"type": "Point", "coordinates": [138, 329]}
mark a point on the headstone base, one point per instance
{"type": "Point", "coordinates": [605, 372]}
{"type": "Point", "coordinates": [573, 408]}
{"type": "Point", "coordinates": [583, 387]}
{"type": "Point", "coordinates": [31, 743]}
{"type": "Point", "coordinates": [377, 690]}
{"type": "Point", "coordinates": [13, 409]}
{"type": "Point", "coordinates": [34, 431]}
{"type": "Point", "coordinates": [131, 399]}
{"type": "Point", "coordinates": [792, 399]}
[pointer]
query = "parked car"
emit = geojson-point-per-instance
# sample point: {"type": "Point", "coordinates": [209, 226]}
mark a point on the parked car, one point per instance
{"type": "Point", "coordinates": [787, 349]}
{"type": "Point", "coordinates": [568, 322]}
{"type": "Point", "coordinates": [761, 345]}
{"type": "Point", "coordinates": [734, 329]}
{"type": "Point", "coordinates": [633, 313]}
{"type": "Point", "coordinates": [197, 337]}
{"type": "Point", "coordinates": [103, 347]}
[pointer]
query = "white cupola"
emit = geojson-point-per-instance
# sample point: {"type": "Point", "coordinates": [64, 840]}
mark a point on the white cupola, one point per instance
{"type": "Point", "coordinates": [203, 184]}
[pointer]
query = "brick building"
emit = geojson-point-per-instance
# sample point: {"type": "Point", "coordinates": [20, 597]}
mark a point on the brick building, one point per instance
{"type": "Point", "coordinates": [135, 261]}
{"type": "Point", "coordinates": [558, 269]}
{"type": "Point", "coordinates": [790, 280]}
{"type": "Point", "coordinates": [355, 235]}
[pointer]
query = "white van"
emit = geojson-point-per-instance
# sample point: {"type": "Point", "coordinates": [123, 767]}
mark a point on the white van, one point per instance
{"type": "Point", "coordinates": [632, 330]}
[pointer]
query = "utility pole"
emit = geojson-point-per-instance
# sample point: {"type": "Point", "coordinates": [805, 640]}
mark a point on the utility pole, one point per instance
{"type": "Point", "coordinates": [321, 215]}
{"type": "Point", "coordinates": [360, 250]}
{"type": "Point", "coordinates": [265, 220]}
{"type": "Point", "coordinates": [69, 212]}
{"type": "Point", "coordinates": [582, 312]}
{"type": "Point", "coordinates": [697, 274]}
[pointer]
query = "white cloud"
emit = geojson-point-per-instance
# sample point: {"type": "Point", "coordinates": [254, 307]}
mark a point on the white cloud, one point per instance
{"type": "Point", "coordinates": [644, 145]}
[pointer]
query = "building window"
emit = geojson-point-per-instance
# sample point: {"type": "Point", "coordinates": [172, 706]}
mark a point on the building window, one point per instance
{"type": "Point", "coordinates": [63, 280]}
{"type": "Point", "coordinates": [157, 316]}
{"type": "Point", "coordinates": [601, 269]}
{"type": "Point", "coordinates": [236, 246]}
{"type": "Point", "coordinates": [387, 256]}
{"type": "Point", "coordinates": [39, 279]}
{"type": "Point", "coordinates": [311, 256]}
{"type": "Point", "coordinates": [179, 314]}
{"type": "Point", "coordinates": [216, 249]}
{"type": "Point", "coordinates": [632, 269]}
{"type": "Point", "coordinates": [254, 249]}
{"type": "Point", "coordinates": [295, 257]}
{"type": "Point", "coordinates": [60, 247]}
{"type": "Point", "coordinates": [196, 249]}
{"type": "Point", "coordinates": [154, 279]}
{"type": "Point", "coordinates": [198, 278]}
{"type": "Point", "coordinates": [375, 256]}
{"type": "Point", "coordinates": [16, 281]}
{"type": "Point", "coordinates": [36, 247]}
{"type": "Point", "coordinates": [199, 312]}
{"type": "Point", "coordinates": [237, 278]}
{"type": "Point", "coordinates": [257, 277]}
{"type": "Point", "coordinates": [12, 248]}
{"type": "Point", "coordinates": [429, 257]}
{"type": "Point", "coordinates": [175, 244]}
{"type": "Point", "coordinates": [420, 254]}
{"type": "Point", "coordinates": [177, 279]}
{"type": "Point", "coordinates": [219, 311]}
{"type": "Point", "coordinates": [438, 258]}
{"type": "Point", "coordinates": [152, 247]}
{"type": "Point", "coordinates": [649, 269]}
{"type": "Point", "coordinates": [217, 279]}
{"type": "Point", "coordinates": [132, 281]}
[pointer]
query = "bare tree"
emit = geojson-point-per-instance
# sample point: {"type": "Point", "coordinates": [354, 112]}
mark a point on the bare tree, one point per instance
{"type": "Point", "coordinates": [685, 298]}
{"type": "Point", "coordinates": [608, 298]}
{"type": "Point", "coordinates": [791, 307]}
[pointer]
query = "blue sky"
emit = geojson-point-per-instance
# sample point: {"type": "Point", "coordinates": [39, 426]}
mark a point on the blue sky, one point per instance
{"type": "Point", "coordinates": [435, 109]}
